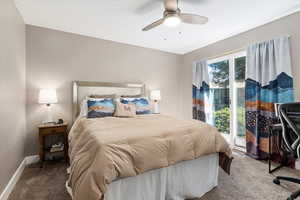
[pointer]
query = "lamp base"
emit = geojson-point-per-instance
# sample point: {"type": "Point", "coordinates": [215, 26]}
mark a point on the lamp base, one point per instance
{"type": "Point", "coordinates": [156, 108]}
{"type": "Point", "coordinates": [49, 117]}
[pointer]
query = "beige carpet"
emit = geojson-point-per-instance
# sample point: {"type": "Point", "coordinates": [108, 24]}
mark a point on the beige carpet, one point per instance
{"type": "Point", "coordinates": [249, 180]}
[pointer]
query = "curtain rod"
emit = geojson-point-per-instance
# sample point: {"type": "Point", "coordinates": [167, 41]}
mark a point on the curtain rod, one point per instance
{"type": "Point", "coordinates": [226, 53]}
{"type": "Point", "coordinates": [235, 50]}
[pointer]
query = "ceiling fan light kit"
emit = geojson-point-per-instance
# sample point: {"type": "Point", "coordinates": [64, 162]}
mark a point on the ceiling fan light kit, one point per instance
{"type": "Point", "coordinates": [172, 20]}
{"type": "Point", "coordinates": [172, 17]}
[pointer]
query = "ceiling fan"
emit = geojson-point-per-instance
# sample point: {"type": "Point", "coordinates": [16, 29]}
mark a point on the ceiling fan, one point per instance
{"type": "Point", "coordinates": [172, 16]}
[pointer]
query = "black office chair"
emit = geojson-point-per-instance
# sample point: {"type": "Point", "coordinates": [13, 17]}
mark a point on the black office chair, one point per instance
{"type": "Point", "coordinates": [289, 115]}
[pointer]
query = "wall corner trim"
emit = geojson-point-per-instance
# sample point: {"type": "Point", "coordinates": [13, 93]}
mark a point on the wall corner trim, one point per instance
{"type": "Point", "coordinates": [16, 176]}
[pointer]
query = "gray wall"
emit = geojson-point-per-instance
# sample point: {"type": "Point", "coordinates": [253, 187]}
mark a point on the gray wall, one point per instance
{"type": "Point", "coordinates": [286, 26]}
{"type": "Point", "coordinates": [55, 58]}
{"type": "Point", "coordinates": [12, 87]}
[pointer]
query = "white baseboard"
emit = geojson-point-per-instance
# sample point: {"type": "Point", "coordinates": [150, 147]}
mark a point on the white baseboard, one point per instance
{"type": "Point", "coordinates": [16, 176]}
{"type": "Point", "coordinates": [12, 182]}
{"type": "Point", "coordinates": [32, 159]}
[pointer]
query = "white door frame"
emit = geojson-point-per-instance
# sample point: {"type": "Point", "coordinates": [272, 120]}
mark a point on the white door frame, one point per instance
{"type": "Point", "coordinates": [232, 93]}
{"type": "Point", "coordinates": [234, 103]}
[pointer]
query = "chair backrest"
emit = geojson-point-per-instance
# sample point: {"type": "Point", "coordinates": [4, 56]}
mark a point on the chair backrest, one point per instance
{"type": "Point", "coordinates": [289, 114]}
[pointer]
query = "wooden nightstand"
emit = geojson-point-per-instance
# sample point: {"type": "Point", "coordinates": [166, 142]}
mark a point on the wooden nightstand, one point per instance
{"type": "Point", "coordinates": [52, 129]}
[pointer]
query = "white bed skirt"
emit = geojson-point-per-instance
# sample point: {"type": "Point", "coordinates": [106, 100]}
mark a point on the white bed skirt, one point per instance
{"type": "Point", "coordinates": [185, 180]}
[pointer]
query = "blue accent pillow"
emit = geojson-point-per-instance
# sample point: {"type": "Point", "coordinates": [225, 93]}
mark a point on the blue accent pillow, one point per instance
{"type": "Point", "coordinates": [142, 105]}
{"type": "Point", "coordinates": [100, 108]}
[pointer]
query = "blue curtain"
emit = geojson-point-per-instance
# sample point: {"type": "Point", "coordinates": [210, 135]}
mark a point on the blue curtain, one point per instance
{"type": "Point", "coordinates": [269, 80]}
{"type": "Point", "coordinates": [200, 89]}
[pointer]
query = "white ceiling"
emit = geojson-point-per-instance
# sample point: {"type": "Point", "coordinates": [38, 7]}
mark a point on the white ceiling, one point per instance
{"type": "Point", "coordinates": [122, 20]}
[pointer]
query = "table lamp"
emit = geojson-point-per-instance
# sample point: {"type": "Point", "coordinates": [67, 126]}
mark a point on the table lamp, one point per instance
{"type": "Point", "coordinates": [156, 97]}
{"type": "Point", "coordinates": [48, 97]}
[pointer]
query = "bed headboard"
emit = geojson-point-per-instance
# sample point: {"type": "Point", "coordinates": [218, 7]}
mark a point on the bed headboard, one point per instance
{"type": "Point", "coordinates": [81, 89]}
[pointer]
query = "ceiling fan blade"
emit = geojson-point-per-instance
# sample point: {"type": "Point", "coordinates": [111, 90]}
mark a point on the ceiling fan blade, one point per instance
{"type": "Point", "coordinates": [153, 25]}
{"type": "Point", "coordinates": [193, 19]}
{"type": "Point", "coordinates": [171, 5]}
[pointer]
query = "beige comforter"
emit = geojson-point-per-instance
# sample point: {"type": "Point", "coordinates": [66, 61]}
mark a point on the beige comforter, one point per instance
{"type": "Point", "coordinates": [105, 149]}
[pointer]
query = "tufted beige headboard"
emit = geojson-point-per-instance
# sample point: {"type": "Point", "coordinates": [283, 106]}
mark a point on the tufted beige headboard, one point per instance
{"type": "Point", "coordinates": [81, 89]}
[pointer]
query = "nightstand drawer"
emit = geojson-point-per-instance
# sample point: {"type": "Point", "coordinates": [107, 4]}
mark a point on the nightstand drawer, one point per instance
{"type": "Point", "coordinates": [53, 130]}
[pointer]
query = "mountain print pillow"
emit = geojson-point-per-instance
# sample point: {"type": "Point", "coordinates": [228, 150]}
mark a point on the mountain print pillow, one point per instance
{"type": "Point", "coordinates": [100, 108]}
{"type": "Point", "coordinates": [142, 105]}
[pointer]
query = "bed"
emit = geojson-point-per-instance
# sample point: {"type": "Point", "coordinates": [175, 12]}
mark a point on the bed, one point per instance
{"type": "Point", "coordinates": [148, 157]}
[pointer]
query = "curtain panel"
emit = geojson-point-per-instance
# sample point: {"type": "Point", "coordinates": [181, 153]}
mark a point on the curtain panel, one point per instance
{"type": "Point", "coordinates": [269, 80]}
{"type": "Point", "coordinates": [200, 89]}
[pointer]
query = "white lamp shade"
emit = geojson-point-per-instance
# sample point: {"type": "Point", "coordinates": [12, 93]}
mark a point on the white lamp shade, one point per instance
{"type": "Point", "coordinates": [47, 96]}
{"type": "Point", "coordinates": [155, 95]}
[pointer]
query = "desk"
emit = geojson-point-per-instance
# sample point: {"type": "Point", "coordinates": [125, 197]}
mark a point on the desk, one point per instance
{"type": "Point", "coordinates": [275, 140]}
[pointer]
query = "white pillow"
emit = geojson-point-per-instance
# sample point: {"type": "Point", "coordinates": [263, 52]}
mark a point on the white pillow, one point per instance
{"type": "Point", "coordinates": [83, 108]}
{"type": "Point", "coordinates": [125, 110]}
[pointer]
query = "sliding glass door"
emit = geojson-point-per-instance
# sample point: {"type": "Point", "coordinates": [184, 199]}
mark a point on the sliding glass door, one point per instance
{"type": "Point", "coordinates": [226, 109]}
{"type": "Point", "coordinates": [239, 129]}
{"type": "Point", "coordinates": [219, 97]}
